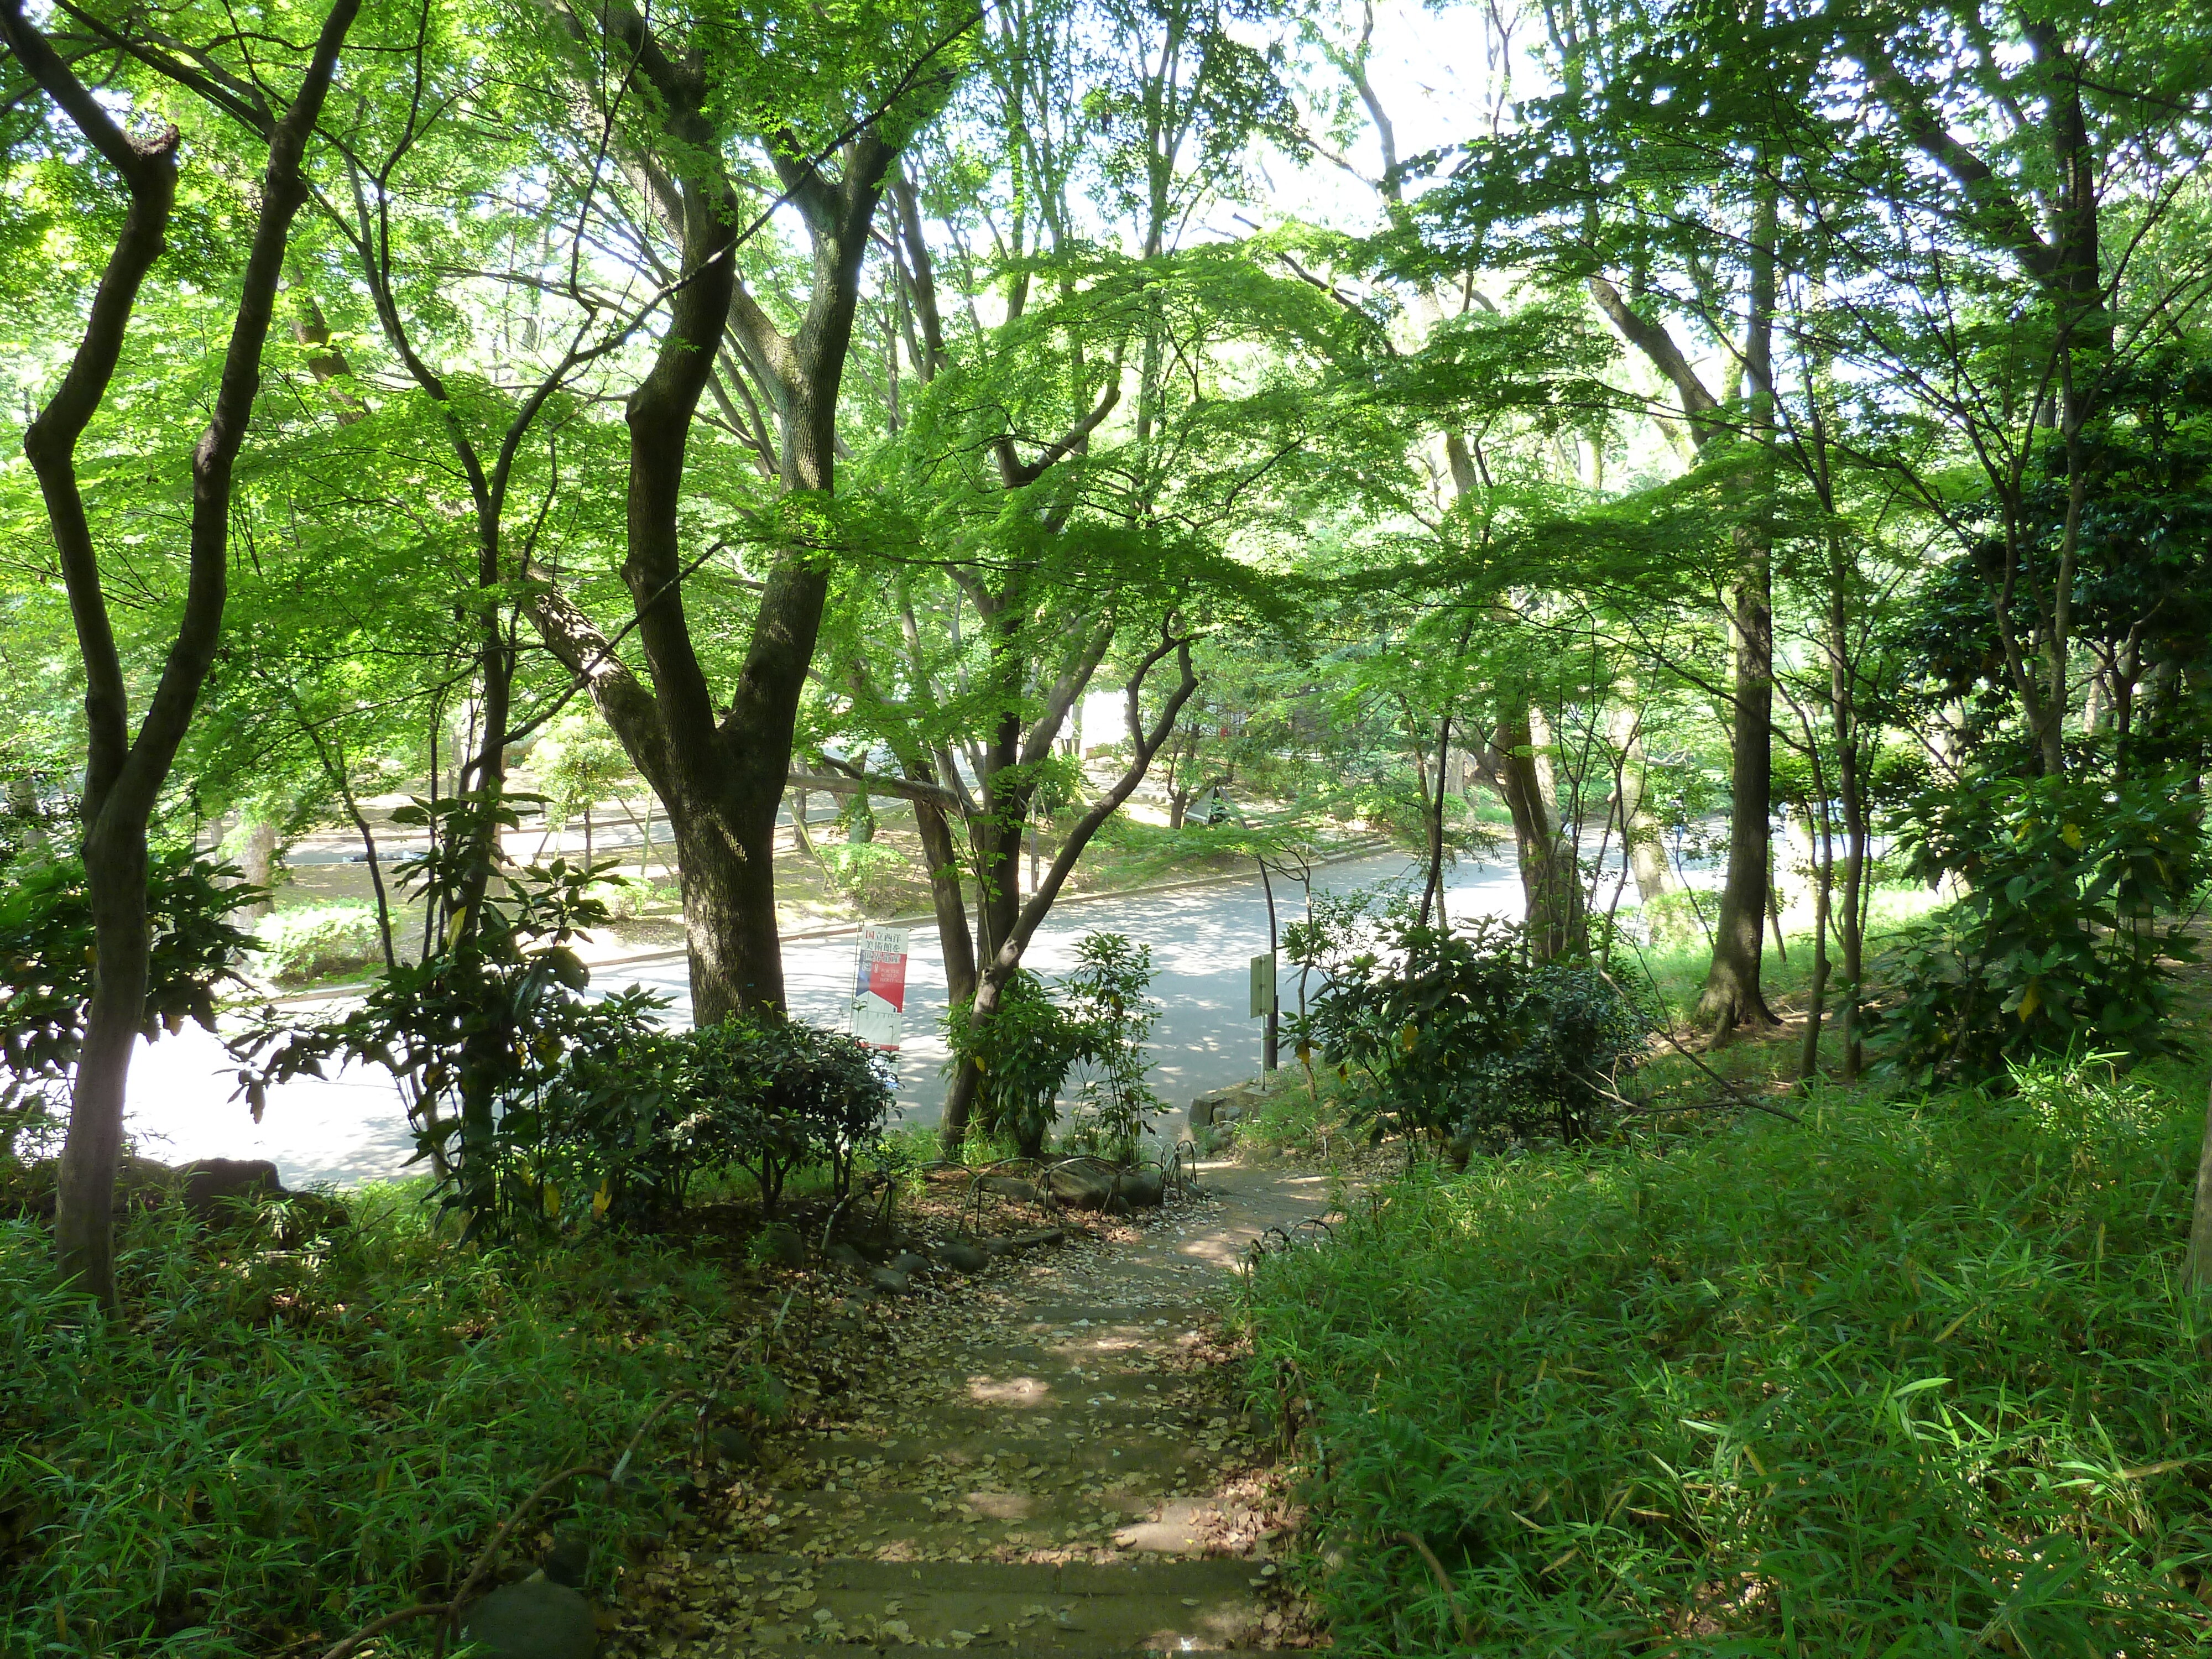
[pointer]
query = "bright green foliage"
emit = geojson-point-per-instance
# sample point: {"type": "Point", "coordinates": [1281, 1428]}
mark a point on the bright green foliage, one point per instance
{"type": "Point", "coordinates": [481, 1032]}
{"type": "Point", "coordinates": [1458, 1034]}
{"type": "Point", "coordinates": [1106, 995]}
{"type": "Point", "coordinates": [2070, 930]}
{"type": "Point", "coordinates": [772, 1095]}
{"type": "Point", "coordinates": [302, 1440]}
{"type": "Point", "coordinates": [1024, 1052]}
{"type": "Point", "coordinates": [1901, 1380]}
{"type": "Point", "coordinates": [46, 965]}
{"type": "Point", "coordinates": [317, 940]}
{"type": "Point", "coordinates": [1100, 1018]}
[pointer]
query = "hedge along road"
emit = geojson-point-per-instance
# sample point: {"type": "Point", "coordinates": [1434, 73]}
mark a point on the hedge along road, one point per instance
{"type": "Point", "coordinates": [351, 1128]}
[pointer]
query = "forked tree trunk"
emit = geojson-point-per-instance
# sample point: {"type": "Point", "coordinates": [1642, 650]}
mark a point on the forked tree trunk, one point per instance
{"type": "Point", "coordinates": [123, 775]}
{"type": "Point", "coordinates": [996, 972]}
{"type": "Point", "coordinates": [720, 764]}
{"type": "Point", "coordinates": [1551, 886]}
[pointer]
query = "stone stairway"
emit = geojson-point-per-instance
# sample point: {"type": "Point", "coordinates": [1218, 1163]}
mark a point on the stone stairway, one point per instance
{"type": "Point", "coordinates": [1052, 1458]}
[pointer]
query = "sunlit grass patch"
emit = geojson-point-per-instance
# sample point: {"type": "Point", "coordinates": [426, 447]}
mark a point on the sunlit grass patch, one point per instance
{"type": "Point", "coordinates": [1907, 1379]}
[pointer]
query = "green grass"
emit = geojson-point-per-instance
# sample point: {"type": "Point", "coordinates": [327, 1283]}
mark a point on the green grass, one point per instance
{"type": "Point", "coordinates": [1910, 1379]}
{"type": "Point", "coordinates": [276, 1442]}
{"type": "Point", "coordinates": [1677, 968]}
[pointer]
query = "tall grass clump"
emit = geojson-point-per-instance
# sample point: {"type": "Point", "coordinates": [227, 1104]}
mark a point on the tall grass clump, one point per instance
{"type": "Point", "coordinates": [277, 1443]}
{"type": "Point", "coordinates": [1910, 1379]}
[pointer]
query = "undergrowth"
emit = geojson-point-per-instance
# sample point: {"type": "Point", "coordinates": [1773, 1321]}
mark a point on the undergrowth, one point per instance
{"type": "Point", "coordinates": [1909, 1379]}
{"type": "Point", "coordinates": [277, 1442]}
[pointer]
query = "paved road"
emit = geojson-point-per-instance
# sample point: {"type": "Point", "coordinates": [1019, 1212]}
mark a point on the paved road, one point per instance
{"type": "Point", "coordinates": [351, 1128]}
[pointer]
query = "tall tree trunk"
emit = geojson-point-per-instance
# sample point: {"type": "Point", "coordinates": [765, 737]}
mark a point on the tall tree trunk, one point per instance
{"type": "Point", "coordinates": [125, 775]}
{"type": "Point", "coordinates": [1645, 835]}
{"type": "Point", "coordinates": [1551, 886]}
{"type": "Point", "coordinates": [1732, 997]}
{"type": "Point", "coordinates": [942, 855]}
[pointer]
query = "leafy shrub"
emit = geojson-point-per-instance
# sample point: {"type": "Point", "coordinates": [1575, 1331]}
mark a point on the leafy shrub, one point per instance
{"type": "Point", "coordinates": [773, 1095]}
{"type": "Point", "coordinates": [481, 1035]}
{"type": "Point", "coordinates": [1029, 1047]}
{"type": "Point", "coordinates": [46, 961]}
{"type": "Point", "coordinates": [865, 872]}
{"type": "Point", "coordinates": [1888, 1382]}
{"type": "Point", "coordinates": [1459, 1035]}
{"type": "Point", "coordinates": [1024, 1052]}
{"type": "Point", "coordinates": [1106, 997]}
{"type": "Point", "coordinates": [2059, 943]}
{"type": "Point", "coordinates": [317, 940]}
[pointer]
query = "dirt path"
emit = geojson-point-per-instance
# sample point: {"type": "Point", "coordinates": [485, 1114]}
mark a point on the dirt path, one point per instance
{"type": "Point", "coordinates": [1052, 1457]}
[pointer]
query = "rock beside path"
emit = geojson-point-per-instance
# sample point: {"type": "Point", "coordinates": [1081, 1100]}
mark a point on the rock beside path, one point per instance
{"type": "Point", "coordinates": [535, 1618]}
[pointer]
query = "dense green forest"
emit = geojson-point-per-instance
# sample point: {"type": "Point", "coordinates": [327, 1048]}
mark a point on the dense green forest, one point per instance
{"type": "Point", "coordinates": [480, 476]}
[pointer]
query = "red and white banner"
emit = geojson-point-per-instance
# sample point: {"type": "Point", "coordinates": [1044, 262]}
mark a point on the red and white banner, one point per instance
{"type": "Point", "coordinates": [880, 987]}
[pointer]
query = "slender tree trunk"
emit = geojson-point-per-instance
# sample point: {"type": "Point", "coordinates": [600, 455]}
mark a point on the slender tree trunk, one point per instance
{"type": "Point", "coordinates": [1808, 1056]}
{"type": "Point", "coordinates": [1000, 966]}
{"type": "Point", "coordinates": [1551, 886]}
{"type": "Point", "coordinates": [125, 775]}
{"type": "Point", "coordinates": [1432, 816]}
{"type": "Point", "coordinates": [1732, 997]}
{"type": "Point", "coordinates": [946, 897]}
{"type": "Point", "coordinates": [1645, 835]}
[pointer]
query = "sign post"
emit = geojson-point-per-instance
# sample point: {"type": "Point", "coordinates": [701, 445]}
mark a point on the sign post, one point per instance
{"type": "Point", "coordinates": [1263, 1002]}
{"type": "Point", "coordinates": [880, 987]}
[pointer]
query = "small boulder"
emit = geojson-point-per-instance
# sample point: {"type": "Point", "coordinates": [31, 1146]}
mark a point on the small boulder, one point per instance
{"type": "Point", "coordinates": [846, 1255]}
{"type": "Point", "coordinates": [1021, 1192]}
{"type": "Point", "coordinates": [908, 1262]}
{"type": "Point", "coordinates": [1221, 1105]}
{"type": "Point", "coordinates": [960, 1256]}
{"type": "Point", "coordinates": [890, 1281]}
{"type": "Point", "coordinates": [1015, 1244]}
{"type": "Point", "coordinates": [213, 1185]}
{"type": "Point", "coordinates": [1081, 1185]}
{"type": "Point", "coordinates": [1143, 1188]}
{"type": "Point", "coordinates": [535, 1618]}
{"type": "Point", "coordinates": [782, 1246]}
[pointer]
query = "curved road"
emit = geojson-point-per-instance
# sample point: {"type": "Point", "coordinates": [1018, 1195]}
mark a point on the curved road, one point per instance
{"type": "Point", "coordinates": [351, 1128]}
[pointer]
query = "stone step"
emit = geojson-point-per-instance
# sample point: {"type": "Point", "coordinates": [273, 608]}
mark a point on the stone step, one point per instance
{"type": "Point", "coordinates": [1158, 1606]}
{"type": "Point", "coordinates": [1000, 1524]}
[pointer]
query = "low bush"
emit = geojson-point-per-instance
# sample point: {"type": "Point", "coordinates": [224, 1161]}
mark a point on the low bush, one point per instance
{"type": "Point", "coordinates": [867, 872]}
{"type": "Point", "coordinates": [774, 1094]}
{"type": "Point", "coordinates": [1024, 1051]}
{"type": "Point", "coordinates": [315, 941]}
{"type": "Point", "coordinates": [1458, 1034]}
{"type": "Point", "coordinates": [2066, 936]}
{"type": "Point", "coordinates": [1101, 1019]}
{"type": "Point", "coordinates": [1906, 1379]}
{"type": "Point", "coordinates": [280, 1445]}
